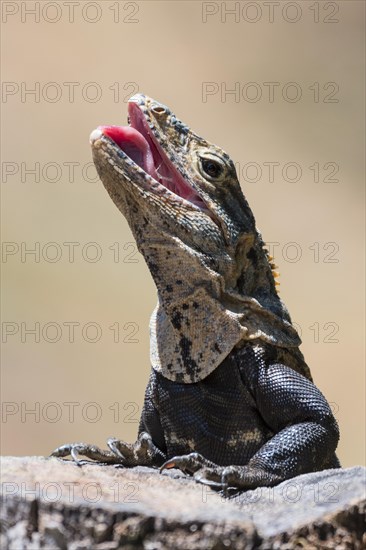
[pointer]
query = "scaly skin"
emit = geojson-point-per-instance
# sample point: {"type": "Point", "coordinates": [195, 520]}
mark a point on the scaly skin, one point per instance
{"type": "Point", "coordinates": [230, 398]}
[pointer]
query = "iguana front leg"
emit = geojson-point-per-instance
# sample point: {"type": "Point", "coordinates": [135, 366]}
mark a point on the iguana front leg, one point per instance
{"type": "Point", "coordinates": [141, 453]}
{"type": "Point", "coordinates": [306, 434]}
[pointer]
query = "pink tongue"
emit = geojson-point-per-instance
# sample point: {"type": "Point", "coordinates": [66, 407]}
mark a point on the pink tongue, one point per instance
{"type": "Point", "coordinates": [134, 145]}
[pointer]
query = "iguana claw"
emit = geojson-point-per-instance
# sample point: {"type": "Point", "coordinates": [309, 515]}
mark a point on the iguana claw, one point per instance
{"type": "Point", "coordinates": [90, 451]}
{"type": "Point", "coordinates": [189, 464]}
{"type": "Point", "coordinates": [220, 477]}
{"type": "Point", "coordinates": [141, 453]}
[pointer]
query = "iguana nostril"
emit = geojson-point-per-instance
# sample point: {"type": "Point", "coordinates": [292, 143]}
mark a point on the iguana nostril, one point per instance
{"type": "Point", "coordinates": [158, 110]}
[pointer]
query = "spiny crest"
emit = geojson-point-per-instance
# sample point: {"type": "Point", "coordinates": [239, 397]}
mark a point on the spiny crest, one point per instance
{"type": "Point", "coordinates": [273, 267]}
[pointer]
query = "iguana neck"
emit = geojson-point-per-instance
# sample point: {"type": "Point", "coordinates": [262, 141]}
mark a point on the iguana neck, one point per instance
{"type": "Point", "coordinates": [206, 306]}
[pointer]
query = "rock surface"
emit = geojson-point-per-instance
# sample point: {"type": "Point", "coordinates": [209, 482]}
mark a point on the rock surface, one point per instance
{"type": "Point", "coordinates": [51, 504]}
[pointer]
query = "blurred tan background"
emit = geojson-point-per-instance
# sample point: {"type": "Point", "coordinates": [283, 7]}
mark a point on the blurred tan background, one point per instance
{"type": "Point", "coordinates": [83, 63]}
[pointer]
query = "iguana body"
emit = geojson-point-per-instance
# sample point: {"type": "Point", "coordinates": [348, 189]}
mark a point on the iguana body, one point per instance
{"type": "Point", "coordinates": [230, 398]}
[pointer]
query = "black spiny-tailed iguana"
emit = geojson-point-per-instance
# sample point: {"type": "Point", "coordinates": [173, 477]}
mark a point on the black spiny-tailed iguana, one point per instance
{"type": "Point", "coordinates": [230, 398]}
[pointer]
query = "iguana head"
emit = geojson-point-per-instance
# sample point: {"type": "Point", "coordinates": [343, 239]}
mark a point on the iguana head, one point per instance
{"type": "Point", "coordinates": [182, 199]}
{"type": "Point", "coordinates": [179, 182]}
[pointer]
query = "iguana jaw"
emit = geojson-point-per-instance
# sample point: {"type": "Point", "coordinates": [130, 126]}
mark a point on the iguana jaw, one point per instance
{"type": "Point", "coordinates": [137, 150]}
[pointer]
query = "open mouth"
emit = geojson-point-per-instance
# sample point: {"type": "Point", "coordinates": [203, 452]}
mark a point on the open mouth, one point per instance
{"type": "Point", "coordinates": [140, 145]}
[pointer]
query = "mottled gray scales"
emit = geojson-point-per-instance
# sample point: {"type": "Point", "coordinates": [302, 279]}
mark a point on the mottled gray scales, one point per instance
{"type": "Point", "coordinates": [230, 398]}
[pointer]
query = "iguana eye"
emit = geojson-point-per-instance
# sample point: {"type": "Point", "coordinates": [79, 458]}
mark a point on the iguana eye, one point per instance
{"type": "Point", "coordinates": [211, 168]}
